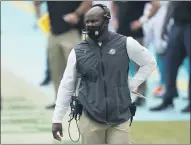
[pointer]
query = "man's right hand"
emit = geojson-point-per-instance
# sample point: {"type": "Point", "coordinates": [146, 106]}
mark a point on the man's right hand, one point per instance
{"type": "Point", "coordinates": [57, 127]}
{"type": "Point", "coordinates": [71, 18]}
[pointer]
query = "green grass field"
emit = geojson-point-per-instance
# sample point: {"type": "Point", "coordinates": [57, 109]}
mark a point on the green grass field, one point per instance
{"type": "Point", "coordinates": [161, 132]}
{"type": "Point", "coordinates": [158, 133]}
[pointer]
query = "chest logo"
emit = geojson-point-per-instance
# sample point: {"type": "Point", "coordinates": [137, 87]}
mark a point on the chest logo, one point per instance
{"type": "Point", "coordinates": [112, 51]}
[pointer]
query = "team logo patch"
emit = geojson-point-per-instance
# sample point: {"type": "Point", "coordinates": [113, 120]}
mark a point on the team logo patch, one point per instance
{"type": "Point", "coordinates": [112, 51]}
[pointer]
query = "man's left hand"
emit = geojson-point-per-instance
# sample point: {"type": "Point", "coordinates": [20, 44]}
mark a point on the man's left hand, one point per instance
{"type": "Point", "coordinates": [71, 18]}
{"type": "Point", "coordinates": [135, 25]}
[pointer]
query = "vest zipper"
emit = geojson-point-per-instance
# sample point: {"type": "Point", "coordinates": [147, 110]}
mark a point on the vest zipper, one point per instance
{"type": "Point", "coordinates": [105, 88]}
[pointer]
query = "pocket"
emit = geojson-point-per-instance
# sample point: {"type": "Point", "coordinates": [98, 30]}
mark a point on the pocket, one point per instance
{"type": "Point", "coordinates": [124, 127]}
{"type": "Point", "coordinates": [87, 125]}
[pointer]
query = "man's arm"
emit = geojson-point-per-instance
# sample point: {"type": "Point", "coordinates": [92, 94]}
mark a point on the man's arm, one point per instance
{"type": "Point", "coordinates": [155, 5]}
{"type": "Point", "coordinates": [83, 8]}
{"type": "Point", "coordinates": [74, 17]}
{"type": "Point", "coordinates": [66, 89]}
{"type": "Point", "coordinates": [37, 4]}
{"type": "Point", "coordinates": [141, 56]}
{"type": "Point", "coordinates": [168, 15]}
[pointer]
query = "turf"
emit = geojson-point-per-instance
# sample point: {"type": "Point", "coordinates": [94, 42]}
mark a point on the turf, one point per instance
{"type": "Point", "coordinates": [158, 133]}
{"type": "Point", "coordinates": [161, 132]}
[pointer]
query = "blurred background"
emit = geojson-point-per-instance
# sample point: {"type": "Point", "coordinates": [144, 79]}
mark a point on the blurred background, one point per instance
{"type": "Point", "coordinates": [27, 88]}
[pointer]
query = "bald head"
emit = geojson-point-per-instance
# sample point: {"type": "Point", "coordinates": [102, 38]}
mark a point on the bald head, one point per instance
{"type": "Point", "coordinates": [95, 11]}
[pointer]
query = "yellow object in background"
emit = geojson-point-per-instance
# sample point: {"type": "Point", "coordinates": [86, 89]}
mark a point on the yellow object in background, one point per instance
{"type": "Point", "coordinates": [44, 24]}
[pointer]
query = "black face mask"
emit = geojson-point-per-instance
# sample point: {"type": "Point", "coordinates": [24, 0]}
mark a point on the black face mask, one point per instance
{"type": "Point", "coordinates": [94, 32]}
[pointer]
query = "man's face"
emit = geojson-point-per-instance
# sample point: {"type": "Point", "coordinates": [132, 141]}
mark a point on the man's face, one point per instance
{"type": "Point", "coordinates": [95, 22]}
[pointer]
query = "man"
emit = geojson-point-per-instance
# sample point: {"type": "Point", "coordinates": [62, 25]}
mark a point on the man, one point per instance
{"type": "Point", "coordinates": [104, 92]}
{"type": "Point", "coordinates": [178, 48]}
{"type": "Point", "coordinates": [64, 20]}
{"type": "Point", "coordinates": [152, 33]}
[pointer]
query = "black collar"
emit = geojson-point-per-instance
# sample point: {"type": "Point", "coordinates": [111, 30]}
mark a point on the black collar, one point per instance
{"type": "Point", "coordinates": [103, 38]}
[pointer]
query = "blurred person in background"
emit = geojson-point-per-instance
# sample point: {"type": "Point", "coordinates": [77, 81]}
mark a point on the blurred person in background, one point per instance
{"type": "Point", "coordinates": [65, 17]}
{"type": "Point", "coordinates": [178, 48]}
{"type": "Point", "coordinates": [127, 21]}
{"type": "Point", "coordinates": [38, 13]}
{"type": "Point", "coordinates": [47, 78]}
{"type": "Point", "coordinates": [152, 35]}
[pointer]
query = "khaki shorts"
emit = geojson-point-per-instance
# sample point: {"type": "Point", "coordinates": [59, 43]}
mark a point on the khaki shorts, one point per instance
{"type": "Point", "coordinates": [96, 133]}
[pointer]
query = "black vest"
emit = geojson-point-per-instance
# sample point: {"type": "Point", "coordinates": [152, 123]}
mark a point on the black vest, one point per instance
{"type": "Point", "coordinates": [104, 91]}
